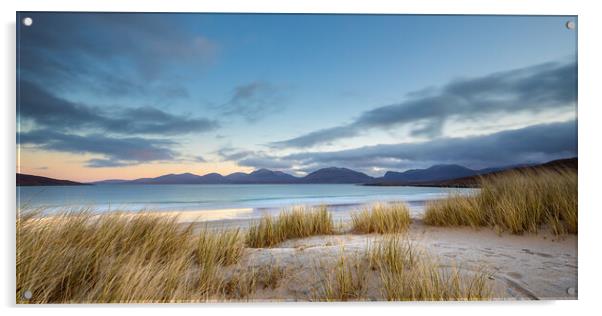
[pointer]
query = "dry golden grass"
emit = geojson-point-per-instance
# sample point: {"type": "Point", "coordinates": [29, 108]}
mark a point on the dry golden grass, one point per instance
{"type": "Point", "coordinates": [296, 223]}
{"type": "Point", "coordinates": [514, 201]}
{"type": "Point", "coordinates": [347, 281]}
{"type": "Point", "coordinates": [410, 275]}
{"type": "Point", "coordinates": [119, 257]}
{"type": "Point", "coordinates": [455, 210]}
{"type": "Point", "coordinates": [382, 219]}
{"type": "Point", "coordinates": [269, 276]}
{"type": "Point", "coordinates": [394, 252]}
{"type": "Point", "coordinates": [403, 273]}
{"type": "Point", "coordinates": [426, 281]}
{"type": "Point", "coordinates": [84, 258]}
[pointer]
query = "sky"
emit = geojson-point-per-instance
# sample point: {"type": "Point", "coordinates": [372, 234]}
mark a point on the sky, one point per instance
{"type": "Point", "coordinates": [125, 96]}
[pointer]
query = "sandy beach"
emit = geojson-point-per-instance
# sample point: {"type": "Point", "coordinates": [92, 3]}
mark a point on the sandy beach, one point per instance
{"type": "Point", "coordinates": [525, 267]}
{"type": "Point", "coordinates": [514, 240]}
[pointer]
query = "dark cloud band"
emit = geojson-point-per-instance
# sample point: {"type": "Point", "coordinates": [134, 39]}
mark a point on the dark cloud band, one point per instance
{"type": "Point", "coordinates": [50, 111]}
{"type": "Point", "coordinates": [537, 143]}
{"type": "Point", "coordinates": [117, 151]}
{"type": "Point", "coordinates": [532, 89]}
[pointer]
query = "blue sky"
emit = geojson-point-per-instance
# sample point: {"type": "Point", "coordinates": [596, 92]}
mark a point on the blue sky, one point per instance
{"type": "Point", "coordinates": [228, 92]}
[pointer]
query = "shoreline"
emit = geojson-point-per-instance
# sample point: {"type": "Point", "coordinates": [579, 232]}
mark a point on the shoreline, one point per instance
{"type": "Point", "coordinates": [246, 215]}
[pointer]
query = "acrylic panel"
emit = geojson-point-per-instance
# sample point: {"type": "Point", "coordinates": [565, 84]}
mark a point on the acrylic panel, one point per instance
{"type": "Point", "coordinates": [206, 157]}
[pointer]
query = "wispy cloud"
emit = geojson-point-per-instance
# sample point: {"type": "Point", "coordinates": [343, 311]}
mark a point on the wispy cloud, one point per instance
{"type": "Point", "coordinates": [532, 89]}
{"type": "Point", "coordinates": [49, 111]}
{"type": "Point", "coordinates": [229, 153]}
{"type": "Point", "coordinates": [116, 151]}
{"type": "Point", "coordinates": [115, 54]}
{"type": "Point", "coordinates": [199, 159]}
{"type": "Point", "coordinates": [253, 101]}
{"type": "Point", "coordinates": [538, 143]}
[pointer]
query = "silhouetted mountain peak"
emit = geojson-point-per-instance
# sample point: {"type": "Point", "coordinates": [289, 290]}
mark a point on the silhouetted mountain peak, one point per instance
{"type": "Point", "coordinates": [213, 174]}
{"type": "Point", "coordinates": [32, 180]}
{"type": "Point", "coordinates": [436, 172]}
{"type": "Point", "coordinates": [336, 175]}
{"type": "Point", "coordinates": [263, 171]}
{"type": "Point", "coordinates": [447, 167]}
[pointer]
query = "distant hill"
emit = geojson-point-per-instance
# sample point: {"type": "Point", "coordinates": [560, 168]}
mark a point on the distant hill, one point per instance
{"type": "Point", "coordinates": [261, 176]}
{"type": "Point", "coordinates": [437, 175]}
{"type": "Point", "coordinates": [336, 175]}
{"type": "Point", "coordinates": [183, 178]}
{"type": "Point", "coordinates": [110, 181]}
{"type": "Point", "coordinates": [31, 180]}
{"type": "Point", "coordinates": [473, 180]}
{"type": "Point", "coordinates": [434, 173]}
{"type": "Point", "coordinates": [212, 178]}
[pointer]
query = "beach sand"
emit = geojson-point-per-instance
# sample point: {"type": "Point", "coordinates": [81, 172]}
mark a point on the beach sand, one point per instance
{"type": "Point", "coordinates": [529, 266]}
{"type": "Point", "coordinates": [524, 267]}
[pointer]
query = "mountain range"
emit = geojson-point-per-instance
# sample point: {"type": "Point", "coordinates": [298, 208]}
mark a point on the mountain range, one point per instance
{"type": "Point", "coordinates": [261, 176]}
{"type": "Point", "coordinates": [463, 177]}
{"type": "Point", "coordinates": [437, 175]}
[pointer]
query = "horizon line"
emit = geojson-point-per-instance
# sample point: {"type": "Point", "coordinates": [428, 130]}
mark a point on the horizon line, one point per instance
{"type": "Point", "coordinates": [296, 176]}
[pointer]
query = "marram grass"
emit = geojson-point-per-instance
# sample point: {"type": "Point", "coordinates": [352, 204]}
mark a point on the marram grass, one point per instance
{"type": "Point", "coordinates": [347, 280]}
{"type": "Point", "coordinates": [403, 273]}
{"type": "Point", "coordinates": [409, 274]}
{"type": "Point", "coordinates": [298, 222]}
{"type": "Point", "coordinates": [136, 258]}
{"type": "Point", "coordinates": [382, 218]}
{"type": "Point", "coordinates": [86, 258]}
{"type": "Point", "coordinates": [514, 201]}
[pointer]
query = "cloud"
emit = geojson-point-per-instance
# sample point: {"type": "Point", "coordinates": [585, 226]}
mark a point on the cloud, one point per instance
{"type": "Point", "coordinates": [230, 153]}
{"type": "Point", "coordinates": [199, 159]}
{"type": "Point", "coordinates": [250, 158]}
{"type": "Point", "coordinates": [116, 151]}
{"type": "Point", "coordinates": [538, 143]}
{"type": "Point", "coordinates": [50, 111]}
{"type": "Point", "coordinates": [253, 101]}
{"type": "Point", "coordinates": [113, 54]}
{"type": "Point", "coordinates": [108, 163]}
{"type": "Point", "coordinates": [266, 162]}
{"type": "Point", "coordinates": [532, 89]}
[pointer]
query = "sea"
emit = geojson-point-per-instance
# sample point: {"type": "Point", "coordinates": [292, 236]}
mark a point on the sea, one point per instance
{"type": "Point", "coordinates": [227, 201]}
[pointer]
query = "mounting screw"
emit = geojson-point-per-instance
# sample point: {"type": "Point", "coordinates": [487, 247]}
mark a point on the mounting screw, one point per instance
{"type": "Point", "coordinates": [571, 291]}
{"type": "Point", "coordinates": [27, 295]}
{"type": "Point", "coordinates": [27, 21]}
{"type": "Point", "coordinates": [570, 25]}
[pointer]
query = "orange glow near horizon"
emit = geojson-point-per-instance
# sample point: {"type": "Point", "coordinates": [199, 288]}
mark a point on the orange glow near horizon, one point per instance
{"type": "Point", "coordinates": [72, 167]}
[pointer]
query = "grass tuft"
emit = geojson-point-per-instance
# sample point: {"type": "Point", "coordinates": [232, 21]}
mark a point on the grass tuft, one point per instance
{"type": "Point", "coordinates": [346, 282]}
{"type": "Point", "coordinates": [394, 252]}
{"type": "Point", "coordinates": [410, 275]}
{"type": "Point", "coordinates": [297, 223]}
{"type": "Point", "coordinates": [85, 258]}
{"type": "Point", "coordinates": [382, 219]}
{"type": "Point", "coordinates": [403, 273]}
{"type": "Point", "coordinates": [455, 210]}
{"type": "Point", "coordinates": [514, 201]}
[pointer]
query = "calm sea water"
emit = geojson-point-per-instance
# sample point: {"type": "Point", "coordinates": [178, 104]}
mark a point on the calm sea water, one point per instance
{"type": "Point", "coordinates": [222, 201]}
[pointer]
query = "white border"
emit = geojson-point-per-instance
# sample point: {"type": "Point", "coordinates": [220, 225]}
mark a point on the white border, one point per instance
{"type": "Point", "coordinates": [589, 148]}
